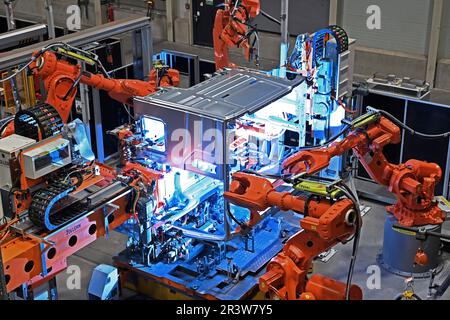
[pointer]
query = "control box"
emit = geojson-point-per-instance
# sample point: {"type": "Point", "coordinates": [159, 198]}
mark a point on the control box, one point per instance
{"type": "Point", "coordinates": [46, 157]}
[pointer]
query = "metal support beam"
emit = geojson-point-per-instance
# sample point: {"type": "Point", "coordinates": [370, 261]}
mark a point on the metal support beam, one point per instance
{"type": "Point", "coordinates": [142, 52]}
{"type": "Point", "coordinates": [333, 12]}
{"type": "Point", "coordinates": [138, 66]}
{"type": "Point", "coordinates": [80, 38]}
{"type": "Point", "coordinates": [445, 191]}
{"type": "Point", "coordinates": [50, 19]}
{"type": "Point", "coordinates": [98, 12]}
{"type": "Point", "coordinates": [284, 36]}
{"type": "Point", "coordinates": [433, 45]}
{"type": "Point", "coordinates": [9, 12]}
{"type": "Point", "coordinates": [169, 20]}
{"type": "Point", "coordinates": [3, 292]}
{"type": "Point", "coordinates": [190, 24]}
{"type": "Point", "coordinates": [16, 37]}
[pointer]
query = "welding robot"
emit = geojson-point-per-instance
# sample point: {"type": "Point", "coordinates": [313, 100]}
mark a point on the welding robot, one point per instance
{"type": "Point", "coordinates": [56, 198]}
{"type": "Point", "coordinates": [59, 228]}
{"type": "Point", "coordinates": [333, 216]}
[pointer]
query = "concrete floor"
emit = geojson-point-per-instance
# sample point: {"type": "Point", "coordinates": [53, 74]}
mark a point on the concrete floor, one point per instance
{"type": "Point", "coordinates": [102, 251]}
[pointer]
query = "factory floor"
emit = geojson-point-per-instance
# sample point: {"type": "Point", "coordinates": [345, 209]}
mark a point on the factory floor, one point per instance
{"type": "Point", "coordinates": [371, 241]}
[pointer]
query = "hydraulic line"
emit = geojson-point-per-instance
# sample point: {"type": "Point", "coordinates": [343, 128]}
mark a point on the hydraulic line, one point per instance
{"type": "Point", "coordinates": [409, 129]}
{"type": "Point", "coordinates": [45, 207]}
{"type": "Point", "coordinates": [348, 193]}
{"type": "Point", "coordinates": [33, 58]}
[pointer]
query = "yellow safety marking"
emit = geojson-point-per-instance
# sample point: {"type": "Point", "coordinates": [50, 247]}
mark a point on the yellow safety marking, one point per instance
{"type": "Point", "coordinates": [77, 56]}
{"type": "Point", "coordinates": [408, 233]}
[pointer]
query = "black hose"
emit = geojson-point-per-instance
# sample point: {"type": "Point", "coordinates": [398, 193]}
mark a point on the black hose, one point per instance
{"type": "Point", "coordinates": [4, 123]}
{"type": "Point", "coordinates": [411, 130]}
{"type": "Point", "coordinates": [327, 142]}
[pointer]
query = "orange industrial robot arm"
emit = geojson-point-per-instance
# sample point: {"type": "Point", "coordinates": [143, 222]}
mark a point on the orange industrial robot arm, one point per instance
{"type": "Point", "coordinates": [61, 77]}
{"type": "Point", "coordinates": [231, 29]}
{"type": "Point", "coordinates": [326, 223]}
{"type": "Point", "coordinates": [412, 183]}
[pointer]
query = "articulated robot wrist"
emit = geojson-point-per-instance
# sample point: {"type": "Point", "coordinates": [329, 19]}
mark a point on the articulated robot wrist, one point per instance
{"type": "Point", "coordinates": [328, 223]}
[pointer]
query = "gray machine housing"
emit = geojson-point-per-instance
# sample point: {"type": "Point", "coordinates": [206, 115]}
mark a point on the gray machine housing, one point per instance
{"type": "Point", "coordinates": [213, 104]}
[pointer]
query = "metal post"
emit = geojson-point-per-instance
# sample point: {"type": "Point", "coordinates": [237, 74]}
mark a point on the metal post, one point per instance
{"type": "Point", "coordinates": [445, 191]}
{"type": "Point", "coordinates": [137, 55]}
{"type": "Point", "coordinates": [402, 144]}
{"type": "Point", "coordinates": [98, 125]}
{"type": "Point", "coordinates": [9, 11]}
{"type": "Point", "coordinates": [84, 101]}
{"type": "Point", "coordinates": [169, 17]}
{"type": "Point", "coordinates": [433, 45]}
{"type": "Point", "coordinates": [197, 70]}
{"type": "Point", "coordinates": [142, 52]}
{"type": "Point", "coordinates": [50, 19]}
{"type": "Point", "coordinates": [284, 37]}
{"type": "Point", "coordinates": [333, 12]}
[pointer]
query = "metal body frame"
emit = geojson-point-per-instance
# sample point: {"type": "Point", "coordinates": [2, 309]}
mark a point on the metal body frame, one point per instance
{"type": "Point", "coordinates": [372, 192]}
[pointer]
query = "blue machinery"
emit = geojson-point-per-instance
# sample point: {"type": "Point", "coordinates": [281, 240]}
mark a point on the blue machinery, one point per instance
{"type": "Point", "coordinates": [187, 237]}
{"type": "Point", "coordinates": [237, 120]}
{"type": "Point", "coordinates": [325, 59]}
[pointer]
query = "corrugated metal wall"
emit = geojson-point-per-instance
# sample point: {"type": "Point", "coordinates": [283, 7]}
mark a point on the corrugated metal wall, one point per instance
{"type": "Point", "coordinates": [405, 24]}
